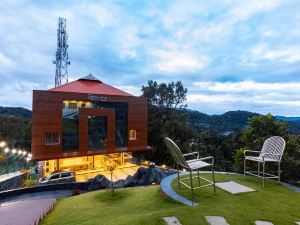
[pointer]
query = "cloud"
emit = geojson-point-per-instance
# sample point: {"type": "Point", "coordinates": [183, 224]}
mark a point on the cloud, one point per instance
{"type": "Point", "coordinates": [19, 92]}
{"type": "Point", "coordinates": [282, 97]}
{"type": "Point", "coordinates": [263, 52]}
{"type": "Point", "coordinates": [247, 86]}
{"type": "Point", "coordinates": [5, 61]}
{"type": "Point", "coordinates": [254, 42]}
{"type": "Point", "coordinates": [172, 62]}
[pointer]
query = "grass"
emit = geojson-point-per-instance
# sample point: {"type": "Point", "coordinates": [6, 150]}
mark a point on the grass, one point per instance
{"type": "Point", "coordinates": [147, 206]}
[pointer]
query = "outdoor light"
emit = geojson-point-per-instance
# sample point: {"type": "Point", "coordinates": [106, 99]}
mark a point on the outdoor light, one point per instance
{"type": "Point", "coordinates": [6, 150]}
{"type": "Point", "coordinates": [14, 151]}
{"type": "Point", "coordinates": [2, 144]}
{"type": "Point", "coordinates": [29, 155]}
{"type": "Point", "coordinates": [19, 152]}
{"type": "Point", "coordinates": [24, 152]}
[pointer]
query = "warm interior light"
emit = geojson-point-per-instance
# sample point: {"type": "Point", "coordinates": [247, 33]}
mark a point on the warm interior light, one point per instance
{"type": "Point", "coordinates": [24, 152]}
{"type": "Point", "coordinates": [14, 151]}
{"type": "Point", "coordinates": [132, 134]}
{"type": "Point", "coordinates": [19, 152]}
{"type": "Point", "coordinates": [6, 150]}
{"type": "Point", "coordinates": [2, 144]}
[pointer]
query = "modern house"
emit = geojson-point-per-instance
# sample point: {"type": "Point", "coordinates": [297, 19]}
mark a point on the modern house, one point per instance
{"type": "Point", "coordinates": [86, 123]}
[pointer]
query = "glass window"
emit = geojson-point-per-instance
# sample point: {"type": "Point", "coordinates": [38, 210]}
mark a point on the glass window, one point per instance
{"type": "Point", "coordinates": [121, 130]}
{"type": "Point", "coordinates": [55, 176]}
{"type": "Point", "coordinates": [51, 138]}
{"type": "Point", "coordinates": [97, 132]}
{"type": "Point", "coordinates": [70, 134]}
{"type": "Point", "coordinates": [65, 175]}
{"type": "Point", "coordinates": [132, 135]}
{"type": "Point", "coordinates": [72, 105]}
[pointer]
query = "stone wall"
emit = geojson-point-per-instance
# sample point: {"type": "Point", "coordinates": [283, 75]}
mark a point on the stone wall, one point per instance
{"type": "Point", "coordinates": [12, 182]}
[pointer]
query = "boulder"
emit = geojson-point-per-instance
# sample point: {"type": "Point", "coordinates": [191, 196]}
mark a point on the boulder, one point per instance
{"type": "Point", "coordinates": [142, 177]}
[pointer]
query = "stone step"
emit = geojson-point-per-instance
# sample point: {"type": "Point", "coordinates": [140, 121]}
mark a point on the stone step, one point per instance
{"type": "Point", "coordinates": [259, 222]}
{"type": "Point", "coordinates": [216, 220]}
{"type": "Point", "coordinates": [172, 220]}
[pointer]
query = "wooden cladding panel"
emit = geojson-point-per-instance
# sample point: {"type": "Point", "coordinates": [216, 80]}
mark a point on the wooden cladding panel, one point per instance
{"type": "Point", "coordinates": [47, 117]}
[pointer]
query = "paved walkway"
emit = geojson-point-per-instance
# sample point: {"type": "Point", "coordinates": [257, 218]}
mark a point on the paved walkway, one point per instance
{"type": "Point", "coordinates": [27, 212]}
{"type": "Point", "coordinates": [166, 189]}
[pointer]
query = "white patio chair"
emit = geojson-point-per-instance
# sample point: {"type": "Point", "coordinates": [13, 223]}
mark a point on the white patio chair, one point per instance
{"type": "Point", "coordinates": [190, 165]}
{"type": "Point", "coordinates": [272, 151]}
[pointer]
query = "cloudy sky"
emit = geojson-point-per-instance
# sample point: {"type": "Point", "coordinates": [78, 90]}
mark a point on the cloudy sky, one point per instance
{"type": "Point", "coordinates": [230, 54]}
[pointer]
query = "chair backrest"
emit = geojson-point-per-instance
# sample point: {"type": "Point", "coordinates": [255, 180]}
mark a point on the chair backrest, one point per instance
{"type": "Point", "coordinates": [175, 152]}
{"type": "Point", "coordinates": [273, 145]}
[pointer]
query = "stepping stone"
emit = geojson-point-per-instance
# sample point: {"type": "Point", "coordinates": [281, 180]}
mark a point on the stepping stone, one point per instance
{"type": "Point", "coordinates": [172, 220]}
{"type": "Point", "coordinates": [233, 187]}
{"type": "Point", "coordinates": [216, 220]}
{"type": "Point", "coordinates": [259, 222]}
{"type": "Point", "coordinates": [298, 223]}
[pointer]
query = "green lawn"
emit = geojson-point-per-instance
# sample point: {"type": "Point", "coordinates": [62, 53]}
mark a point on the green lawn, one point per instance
{"type": "Point", "coordinates": [146, 206]}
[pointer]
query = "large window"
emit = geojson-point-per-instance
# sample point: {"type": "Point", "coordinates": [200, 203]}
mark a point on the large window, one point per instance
{"type": "Point", "coordinates": [70, 134]}
{"type": "Point", "coordinates": [97, 131]}
{"type": "Point", "coordinates": [121, 129]}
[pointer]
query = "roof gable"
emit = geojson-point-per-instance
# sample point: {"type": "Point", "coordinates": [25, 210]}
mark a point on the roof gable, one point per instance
{"type": "Point", "coordinates": [90, 85]}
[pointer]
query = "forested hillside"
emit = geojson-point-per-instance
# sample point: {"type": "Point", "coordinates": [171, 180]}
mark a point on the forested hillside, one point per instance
{"type": "Point", "coordinates": [224, 123]}
{"type": "Point", "coordinates": [15, 111]}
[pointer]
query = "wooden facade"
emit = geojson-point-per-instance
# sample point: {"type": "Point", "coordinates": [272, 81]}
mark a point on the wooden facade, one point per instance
{"type": "Point", "coordinates": [47, 117]}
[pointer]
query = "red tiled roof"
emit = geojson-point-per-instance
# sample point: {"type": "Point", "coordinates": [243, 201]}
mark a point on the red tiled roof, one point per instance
{"type": "Point", "coordinates": [89, 86]}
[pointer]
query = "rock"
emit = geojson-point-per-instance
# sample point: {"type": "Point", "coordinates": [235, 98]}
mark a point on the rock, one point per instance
{"type": "Point", "coordinates": [142, 177]}
{"type": "Point", "coordinates": [98, 182]}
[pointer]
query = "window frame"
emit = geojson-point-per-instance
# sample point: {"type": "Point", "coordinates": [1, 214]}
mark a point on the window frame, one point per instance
{"type": "Point", "coordinates": [51, 137]}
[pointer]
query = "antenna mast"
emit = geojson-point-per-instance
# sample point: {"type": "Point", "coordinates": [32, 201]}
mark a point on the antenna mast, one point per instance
{"type": "Point", "coordinates": [62, 57]}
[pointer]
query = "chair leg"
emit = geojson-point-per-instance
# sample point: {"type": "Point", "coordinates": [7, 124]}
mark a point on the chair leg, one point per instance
{"type": "Point", "coordinates": [264, 165]}
{"type": "Point", "coordinates": [213, 176]}
{"type": "Point", "coordinates": [278, 172]}
{"type": "Point", "coordinates": [245, 167]}
{"type": "Point", "coordinates": [178, 179]}
{"type": "Point", "coordinates": [191, 180]}
{"type": "Point", "coordinates": [198, 177]}
{"type": "Point", "coordinates": [258, 168]}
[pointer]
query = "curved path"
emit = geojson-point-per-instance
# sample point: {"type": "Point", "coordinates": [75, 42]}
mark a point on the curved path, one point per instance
{"type": "Point", "coordinates": [166, 189]}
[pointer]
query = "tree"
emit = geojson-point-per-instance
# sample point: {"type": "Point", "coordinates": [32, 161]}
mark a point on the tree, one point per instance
{"type": "Point", "coordinates": [166, 117]}
{"type": "Point", "coordinates": [264, 126]}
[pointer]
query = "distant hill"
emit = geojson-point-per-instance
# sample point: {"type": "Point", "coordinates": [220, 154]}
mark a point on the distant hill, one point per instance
{"type": "Point", "coordinates": [16, 111]}
{"type": "Point", "coordinates": [288, 118]}
{"type": "Point", "coordinates": [224, 123]}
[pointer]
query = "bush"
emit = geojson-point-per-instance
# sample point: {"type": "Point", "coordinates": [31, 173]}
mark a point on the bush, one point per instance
{"type": "Point", "coordinates": [76, 192]}
{"type": "Point", "coordinates": [29, 183]}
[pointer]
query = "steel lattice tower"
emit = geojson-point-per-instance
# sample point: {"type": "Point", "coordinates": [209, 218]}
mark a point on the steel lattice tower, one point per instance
{"type": "Point", "coordinates": [62, 57]}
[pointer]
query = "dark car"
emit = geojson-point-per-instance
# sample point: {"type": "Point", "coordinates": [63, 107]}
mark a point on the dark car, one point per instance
{"type": "Point", "coordinates": [58, 177]}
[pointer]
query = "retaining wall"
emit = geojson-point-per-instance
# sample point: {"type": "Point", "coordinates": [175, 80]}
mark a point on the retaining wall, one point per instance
{"type": "Point", "coordinates": [12, 181]}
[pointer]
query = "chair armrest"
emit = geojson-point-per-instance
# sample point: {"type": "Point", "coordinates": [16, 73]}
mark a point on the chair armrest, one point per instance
{"type": "Point", "coordinates": [250, 151]}
{"type": "Point", "coordinates": [208, 157]}
{"type": "Point", "coordinates": [266, 154]}
{"type": "Point", "coordinates": [192, 153]}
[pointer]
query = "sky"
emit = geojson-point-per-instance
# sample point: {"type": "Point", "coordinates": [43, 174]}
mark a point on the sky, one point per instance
{"type": "Point", "coordinates": [229, 54]}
